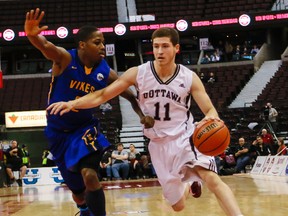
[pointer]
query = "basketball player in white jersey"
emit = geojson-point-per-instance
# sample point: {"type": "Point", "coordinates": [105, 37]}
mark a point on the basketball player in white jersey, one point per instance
{"type": "Point", "coordinates": [164, 92]}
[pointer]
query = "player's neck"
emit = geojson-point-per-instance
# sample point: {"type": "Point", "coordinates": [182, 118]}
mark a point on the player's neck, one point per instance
{"type": "Point", "coordinates": [165, 71]}
{"type": "Point", "coordinates": [85, 62]}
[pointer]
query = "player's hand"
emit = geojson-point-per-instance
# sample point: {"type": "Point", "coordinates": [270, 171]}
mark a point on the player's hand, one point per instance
{"type": "Point", "coordinates": [207, 118]}
{"type": "Point", "coordinates": [33, 19]}
{"type": "Point", "coordinates": [59, 107]}
{"type": "Point", "coordinates": [147, 121]}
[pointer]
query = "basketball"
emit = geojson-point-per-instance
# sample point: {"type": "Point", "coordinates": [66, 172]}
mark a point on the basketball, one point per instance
{"type": "Point", "coordinates": [211, 137]}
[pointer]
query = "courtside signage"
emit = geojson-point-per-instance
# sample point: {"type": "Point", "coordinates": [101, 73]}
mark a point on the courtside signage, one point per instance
{"type": "Point", "coordinates": [25, 119]}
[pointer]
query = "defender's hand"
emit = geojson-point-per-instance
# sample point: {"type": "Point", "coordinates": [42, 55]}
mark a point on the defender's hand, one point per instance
{"type": "Point", "coordinates": [60, 107]}
{"type": "Point", "coordinates": [33, 19]}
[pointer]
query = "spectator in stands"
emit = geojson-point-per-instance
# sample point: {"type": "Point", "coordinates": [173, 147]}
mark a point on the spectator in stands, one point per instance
{"type": "Point", "coordinates": [206, 59]}
{"type": "Point", "coordinates": [212, 78]}
{"type": "Point", "coordinates": [75, 139]}
{"type": "Point", "coordinates": [120, 163]}
{"type": "Point", "coordinates": [105, 107]}
{"type": "Point", "coordinates": [242, 155]}
{"type": "Point", "coordinates": [228, 161]}
{"type": "Point", "coordinates": [203, 77]}
{"type": "Point", "coordinates": [258, 148]}
{"type": "Point", "coordinates": [254, 50]}
{"type": "Point", "coordinates": [134, 163]}
{"type": "Point", "coordinates": [228, 51]}
{"type": "Point", "coordinates": [245, 51]}
{"type": "Point", "coordinates": [14, 162]}
{"type": "Point", "coordinates": [220, 48]}
{"type": "Point", "coordinates": [105, 166]}
{"type": "Point", "coordinates": [268, 140]}
{"type": "Point", "coordinates": [215, 57]}
{"type": "Point", "coordinates": [272, 116]}
{"type": "Point", "coordinates": [209, 46]}
{"type": "Point", "coordinates": [282, 149]}
{"type": "Point", "coordinates": [237, 53]}
{"type": "Point", "coordinates": [246, 54]}
{"type": "Point", "coordinates": [26, 156]}
{"type": "Point", "coordinates": [177, 164]}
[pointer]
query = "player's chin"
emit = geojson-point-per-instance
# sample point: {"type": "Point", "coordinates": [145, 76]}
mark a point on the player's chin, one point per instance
{"type": "Point", "coordinates": [161, 61]}
{"type": "Point", "coordinates": [98, 59]}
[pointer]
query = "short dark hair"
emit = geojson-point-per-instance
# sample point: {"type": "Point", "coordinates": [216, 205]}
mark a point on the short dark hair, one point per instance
{"type": "Point", "coordinates": [84, 33]}
{"type": "Point", "coordinates": [119, 144]}
{"type": "Point", "coordinates": [167, 32]}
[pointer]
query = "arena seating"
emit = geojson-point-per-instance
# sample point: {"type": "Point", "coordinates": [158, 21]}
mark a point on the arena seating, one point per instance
{"type": "Point", "coordinates": [277, 89]}
{"type": "Point", "coordinates": [68, 12]}
{"type": "Point", "coordinates": [230, 80]}
{"type": "Point", "coordinates": [187, 9]}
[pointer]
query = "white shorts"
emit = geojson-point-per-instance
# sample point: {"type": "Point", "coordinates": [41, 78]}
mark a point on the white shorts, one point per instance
{"type": "Point", "coordinates": [173, 160]}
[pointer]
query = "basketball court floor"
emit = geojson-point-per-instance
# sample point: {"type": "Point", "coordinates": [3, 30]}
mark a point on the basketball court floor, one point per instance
{"type": "Point", "coordinates": [258, 195]}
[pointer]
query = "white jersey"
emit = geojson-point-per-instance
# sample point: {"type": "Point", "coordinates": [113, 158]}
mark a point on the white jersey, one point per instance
{"type": "Point", "coordinates": [168, 102]}
{"type": "Point", "coordinates": [172, 155]}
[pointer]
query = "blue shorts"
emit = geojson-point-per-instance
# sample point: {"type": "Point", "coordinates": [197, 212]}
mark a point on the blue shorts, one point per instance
{"type": "Point", "coordinates": [68, 148]}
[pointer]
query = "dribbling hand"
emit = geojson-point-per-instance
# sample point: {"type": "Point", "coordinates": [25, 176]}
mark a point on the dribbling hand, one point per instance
{"type": "Point", "coordinates": [205, 119]}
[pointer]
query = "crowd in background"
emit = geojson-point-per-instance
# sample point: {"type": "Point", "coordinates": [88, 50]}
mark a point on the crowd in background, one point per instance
{"type": "Point", "coordinates": [227, 52]}
{"type": "Point", "coordinates": [120, 164]}
{"type": "Point", "coordinates": [116, 164]}
{"type": "Point", "coordinates": [240, 157]}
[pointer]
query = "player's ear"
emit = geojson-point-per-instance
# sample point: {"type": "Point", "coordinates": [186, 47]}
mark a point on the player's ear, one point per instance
{"type": "Point", "coordinates": [177, 47]}
{"type": "Point", "coordinates": [81, 44]}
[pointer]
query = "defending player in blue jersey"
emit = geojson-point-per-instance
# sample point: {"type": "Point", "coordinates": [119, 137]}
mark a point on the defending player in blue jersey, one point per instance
{"type": "Point", "coordinates": [74, 139]}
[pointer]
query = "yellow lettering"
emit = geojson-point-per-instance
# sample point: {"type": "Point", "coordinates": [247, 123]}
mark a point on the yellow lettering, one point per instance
{"type": "Point", "coordinates": [73, 83]}
{"type": "Point", "coordinates": [87, 88]}
{"type": "Point", "coordinates": [78, 84]}
{"type": "Point", "coordinates": [82, 87]}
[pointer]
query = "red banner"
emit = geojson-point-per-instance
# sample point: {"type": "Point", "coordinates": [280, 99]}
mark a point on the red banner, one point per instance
{"type": "Point", "coordinates": [1, 80]}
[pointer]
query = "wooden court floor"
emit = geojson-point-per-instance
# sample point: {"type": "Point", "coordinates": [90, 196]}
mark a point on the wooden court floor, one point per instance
{"type": "Point", "coordinates": [257, 195]}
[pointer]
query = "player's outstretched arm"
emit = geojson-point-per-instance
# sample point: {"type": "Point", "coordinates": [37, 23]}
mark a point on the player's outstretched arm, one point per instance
{"type": "Point", "coordinates": [96, 98]}
{"type": "Point", "coordinates": [127, 94]}
{"type": "Point", "coordinates": [147, 121]}
{"type": "Point", "coordinates": [33, 32]}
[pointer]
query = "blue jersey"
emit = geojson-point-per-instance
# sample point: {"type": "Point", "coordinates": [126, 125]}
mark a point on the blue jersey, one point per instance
{"type": "Point", "coordinates": [76, 81]}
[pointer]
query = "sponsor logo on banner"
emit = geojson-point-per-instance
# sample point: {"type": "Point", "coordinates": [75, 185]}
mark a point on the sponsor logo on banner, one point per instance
{"type": "Point", "coordinates": [271, 165]}
{"type": "Point", "coordinates": [285, 171]}
{"type": "Point", "coordinates": [42, 176]}
{"type": "Point", "coordinates": [278, 166]}
{"type": "Point", "coordinates": [258, 164]}
{"type": "Point", "coordinates": [31, 176]}
{"type": "Point", "coordinates": [25, 119]}
{"type": "Point", "coordinates": [56, 175]}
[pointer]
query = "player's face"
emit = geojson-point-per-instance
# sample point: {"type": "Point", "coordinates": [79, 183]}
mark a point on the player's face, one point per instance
{"type": "Point", "coordinates": [164, 51]}
{"type": "Point", "coordinates": [94, 48]}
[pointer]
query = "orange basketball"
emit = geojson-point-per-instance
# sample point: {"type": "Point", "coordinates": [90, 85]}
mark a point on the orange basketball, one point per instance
{"type": "Point", "coordinates": [211, 137]}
